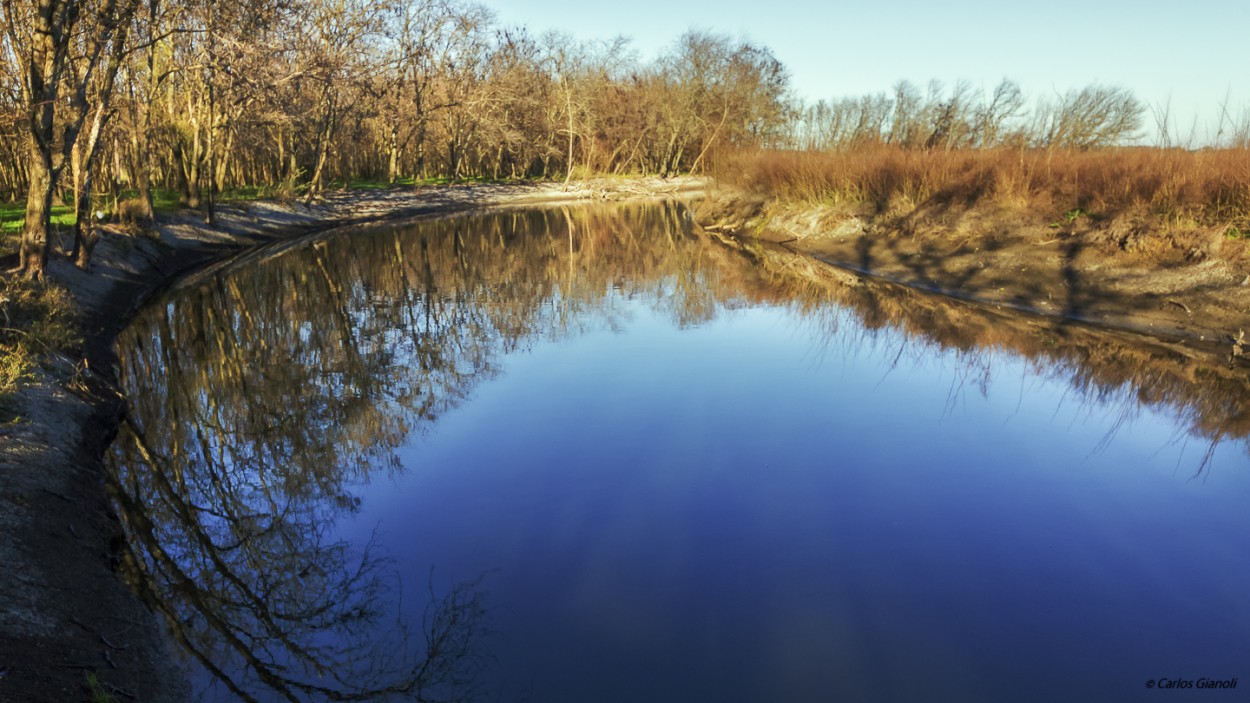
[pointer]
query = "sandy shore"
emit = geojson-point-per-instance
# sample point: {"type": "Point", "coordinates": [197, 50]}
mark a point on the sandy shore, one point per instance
{"type": "Point", "coordinates": [64, 612]}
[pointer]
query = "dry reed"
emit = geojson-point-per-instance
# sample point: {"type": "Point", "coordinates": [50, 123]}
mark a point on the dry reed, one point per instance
{"type": "Point", "coordinates": [1208, 187]}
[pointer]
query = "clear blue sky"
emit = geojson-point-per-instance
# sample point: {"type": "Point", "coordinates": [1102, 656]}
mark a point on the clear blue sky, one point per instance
{"type": "Point", "coordinates": [1195, 53]}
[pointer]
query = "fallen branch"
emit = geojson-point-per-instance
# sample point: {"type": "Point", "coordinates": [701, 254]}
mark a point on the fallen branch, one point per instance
{"type": "Point", "coordinates": [62, 496]}
{"type": "Point", "coordinates": [115, 689]}
{"type": "Point", "coordinates": [106, 641]}
{"type": "Point", "coordinates": [1180, 305]}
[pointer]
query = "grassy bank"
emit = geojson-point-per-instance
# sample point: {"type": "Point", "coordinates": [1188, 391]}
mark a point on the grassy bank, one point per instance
{"type": "Point", "coordinates": [1185, 199]}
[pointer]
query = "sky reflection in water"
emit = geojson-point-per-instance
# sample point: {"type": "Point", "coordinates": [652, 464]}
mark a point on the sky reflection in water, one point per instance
{"type": "Point", "coordinates": [684, 475]}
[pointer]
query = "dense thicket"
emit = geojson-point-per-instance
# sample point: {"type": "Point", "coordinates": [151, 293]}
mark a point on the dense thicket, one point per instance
{"type": "Point", "coordinates": [196, 97]}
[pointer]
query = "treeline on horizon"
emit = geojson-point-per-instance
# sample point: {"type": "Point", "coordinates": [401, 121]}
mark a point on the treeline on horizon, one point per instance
{"type": "Point", "coordinates": [113, 100]}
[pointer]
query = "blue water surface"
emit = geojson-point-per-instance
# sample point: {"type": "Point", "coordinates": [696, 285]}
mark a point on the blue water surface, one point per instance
{"type": "Point", "coordinates": [738, 512]}
{"type": "Point", "coordinates": [771, 501]}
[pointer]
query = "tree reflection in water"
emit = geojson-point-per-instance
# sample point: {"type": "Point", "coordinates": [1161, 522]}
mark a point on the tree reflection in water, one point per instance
{"type": "Point", "coordinates": [1204, 392]}
{"type": "Point", "coordinates": [263, 394]}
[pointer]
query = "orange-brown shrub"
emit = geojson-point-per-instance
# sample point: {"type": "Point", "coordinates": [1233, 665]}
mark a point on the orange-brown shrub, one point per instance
{"type": "Point", "coordinates": [1211, 187]}
{"type": "Point", "coordinates": [132, 211]}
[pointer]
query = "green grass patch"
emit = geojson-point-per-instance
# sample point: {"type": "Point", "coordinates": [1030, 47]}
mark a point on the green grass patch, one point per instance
{"type": "Point", "coordinates": [245, 193]}
{"type": "Point", "coordinates": [96, 689]}
{"type": "Point", "coordinates": [13, 216]}
{"type": "Point", "coordinates": [371, 184]}
{"type": "Point", "coordinates": [445, 180]}
{"type": "Point", "coordinates": [166, 201]}
{"type": "Point", "coordinates": [162, 200]}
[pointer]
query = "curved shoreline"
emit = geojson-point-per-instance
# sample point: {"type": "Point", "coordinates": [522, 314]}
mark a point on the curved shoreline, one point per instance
{"type": "Point", "coordinates": [64, 611]}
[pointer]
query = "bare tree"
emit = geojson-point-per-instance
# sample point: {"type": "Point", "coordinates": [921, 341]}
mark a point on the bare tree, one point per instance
{"type": "Point", "coordinates": [98, 102]}
{"type": "Point", "coordinates": [993, 119]}
{"type": "Point", "coordinates": [60, 44]}
{"type": "Point", "coordinates": [1094, 116]}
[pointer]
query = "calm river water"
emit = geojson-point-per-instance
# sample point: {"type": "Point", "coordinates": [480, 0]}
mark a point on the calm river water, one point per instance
{"type": "Point", "coordinates": [590, 455]}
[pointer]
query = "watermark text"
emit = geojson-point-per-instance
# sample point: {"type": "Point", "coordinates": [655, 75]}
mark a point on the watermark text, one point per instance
{"type": "Point", "coordinates": [1204, 682]}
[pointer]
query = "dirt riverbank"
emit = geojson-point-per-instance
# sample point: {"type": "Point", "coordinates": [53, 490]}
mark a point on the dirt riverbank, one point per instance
{"type": "Point", "coordinates": [66, 618]}
{"type": "Point", "coordinates": [1130, 273]}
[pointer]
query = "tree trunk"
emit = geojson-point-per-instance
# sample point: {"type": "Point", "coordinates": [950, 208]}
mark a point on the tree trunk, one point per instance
{"type": "Point", "coordinates": [84, 158]}
{"type": "Point", "coordinates": [292, 166]}
{"type": "Point", "coordinates": [34, 250]}
{"type": "Point", "coordinates": [84, 155]}
{"type": "Point", "coordinates": [82, 211]}
{"type": "Point", "coordinates": [568, 99]}
{"type": "Point", "coordinates": [314, 185]}
{"type": "Point", "coordinates": [226, 163]}
{"type": "Point", "coordinates": [210, 205]}
{"type": "Point", "coordinates": [392, 166]}
{"type": "Point", "coordinates": [142, 138]}
{"type": "Point", "coordinates": [187, 170]}
{"type": "Point", "coordinates": [323, 143]}
{"type": "Point", "coordinates": [453, 158]}
{"type": "Point", "coordinates": [419, 169]}
{"type": "Point", "coordinates": [143, 173]}
{"type": "Point", "coordinates": [41, 87]}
